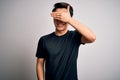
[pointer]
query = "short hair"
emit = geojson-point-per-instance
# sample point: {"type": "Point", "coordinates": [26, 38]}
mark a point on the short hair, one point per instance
{"type": "Point", "coordinates": [62, 5]}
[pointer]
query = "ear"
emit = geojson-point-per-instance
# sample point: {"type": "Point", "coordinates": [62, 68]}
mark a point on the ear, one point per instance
{"type": "Point", "coordinates": [51, 14]}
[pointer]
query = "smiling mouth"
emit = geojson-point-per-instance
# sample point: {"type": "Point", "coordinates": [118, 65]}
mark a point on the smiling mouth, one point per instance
{"type": "Point", "coordinates": [60, 23]}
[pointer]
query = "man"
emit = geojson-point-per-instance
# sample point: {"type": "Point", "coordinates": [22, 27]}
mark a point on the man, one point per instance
{"type": "Point", "coordinates": [59, 50]}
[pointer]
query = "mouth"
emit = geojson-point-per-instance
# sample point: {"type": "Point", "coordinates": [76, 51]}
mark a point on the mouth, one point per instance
{"type": "Point", "coordinates": [60, 23]}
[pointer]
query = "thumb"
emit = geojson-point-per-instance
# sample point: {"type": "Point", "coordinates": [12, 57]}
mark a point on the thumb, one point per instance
{"type": "Point", "coordinates": [68, 8]}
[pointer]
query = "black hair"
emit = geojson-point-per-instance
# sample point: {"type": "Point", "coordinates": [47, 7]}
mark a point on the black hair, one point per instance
{"type": "Point", "coordinates": [63, 5]}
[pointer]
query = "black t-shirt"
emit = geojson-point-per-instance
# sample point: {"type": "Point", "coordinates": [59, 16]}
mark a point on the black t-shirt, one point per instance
{"type": "Point", "coordinates": [60, 53]}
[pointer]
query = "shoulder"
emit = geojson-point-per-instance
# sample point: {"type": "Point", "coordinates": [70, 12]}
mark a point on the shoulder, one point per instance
{"type": "Point", "coordinates": [74, 32]}
{"type": "Point", "coordinates": [45, 37]}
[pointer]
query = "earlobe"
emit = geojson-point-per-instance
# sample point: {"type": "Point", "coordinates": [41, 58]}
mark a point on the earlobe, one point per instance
{"type": "Point", "coordinates": [51, 14]}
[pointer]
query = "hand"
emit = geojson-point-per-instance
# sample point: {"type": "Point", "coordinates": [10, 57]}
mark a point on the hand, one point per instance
{"type": "Point", "coordinates": [62, 16]}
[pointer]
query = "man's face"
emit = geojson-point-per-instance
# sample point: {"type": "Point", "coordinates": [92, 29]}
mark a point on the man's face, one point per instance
{"type": "Point", "coordinates": [60, 26]}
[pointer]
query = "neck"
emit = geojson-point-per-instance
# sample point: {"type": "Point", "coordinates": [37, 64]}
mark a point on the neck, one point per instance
{"type": "Point", "coordinates": [60, 33]}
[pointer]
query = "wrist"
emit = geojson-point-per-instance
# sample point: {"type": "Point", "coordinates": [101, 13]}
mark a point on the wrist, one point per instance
{"type": "Point", "coordinates": [74, 23]}
{"type": "Point", "coordinates": [70, 20]}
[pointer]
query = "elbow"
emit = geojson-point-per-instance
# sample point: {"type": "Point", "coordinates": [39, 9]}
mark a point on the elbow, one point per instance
{"type": "Point", "coordinates": [92, 39]}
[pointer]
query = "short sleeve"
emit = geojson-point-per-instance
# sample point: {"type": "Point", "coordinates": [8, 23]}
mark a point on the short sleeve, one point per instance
{"type": "Point", "coordinates": [78, 37]}
{"type": "Point", "coordinates": [40, 53]}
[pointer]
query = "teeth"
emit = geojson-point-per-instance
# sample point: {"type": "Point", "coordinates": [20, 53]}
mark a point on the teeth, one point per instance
{"type": "Point", "coordinates": [61, 23]}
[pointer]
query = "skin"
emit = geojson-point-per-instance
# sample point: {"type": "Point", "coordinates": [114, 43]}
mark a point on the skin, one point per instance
{"type": "Point", "coordinates": [62, 19]}
{"type": "Point", "coordinates": [40, 68]}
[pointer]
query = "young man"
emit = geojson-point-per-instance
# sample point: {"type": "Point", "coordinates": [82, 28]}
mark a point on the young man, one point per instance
{"type": "Point", "coordinates": [59, 50]}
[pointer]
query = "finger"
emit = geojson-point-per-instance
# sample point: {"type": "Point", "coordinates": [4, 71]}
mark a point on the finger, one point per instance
{"type": "Point", "coordinates": [68, 8]}
{"type": "Point", "coordinates": [58, 18]}
{"type": "Point", "coordinates": [55, 14]}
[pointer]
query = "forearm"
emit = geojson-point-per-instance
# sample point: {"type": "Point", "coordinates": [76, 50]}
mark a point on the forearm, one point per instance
{"type": "Point", "coordinates": [40, 70]}
{"type": "Point", "coordinates": [82, 29]}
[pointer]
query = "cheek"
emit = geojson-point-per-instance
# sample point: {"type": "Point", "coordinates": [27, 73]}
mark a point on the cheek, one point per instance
{"type": "Point", "coordinates": [55, 21]}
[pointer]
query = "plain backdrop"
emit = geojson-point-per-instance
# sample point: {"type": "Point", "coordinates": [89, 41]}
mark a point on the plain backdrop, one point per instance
{"type": "Point", "coordinates": [23, 22]}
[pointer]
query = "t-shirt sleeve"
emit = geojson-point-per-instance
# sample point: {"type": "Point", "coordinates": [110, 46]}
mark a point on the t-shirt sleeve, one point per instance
{"type": "Point", "coordinates": [78, 36]}
{"type": "Point", "coordinates": [40, 49]}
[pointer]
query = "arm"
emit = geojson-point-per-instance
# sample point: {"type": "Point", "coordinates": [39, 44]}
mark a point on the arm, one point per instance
{"type": "Point", "coordinates": [40, 68]}
{"type": "Point", "coordinates": [87, 35]}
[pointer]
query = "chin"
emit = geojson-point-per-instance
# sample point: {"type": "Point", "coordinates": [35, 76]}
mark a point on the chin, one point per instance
{"type": "Point", "coordinates": [60, 28]}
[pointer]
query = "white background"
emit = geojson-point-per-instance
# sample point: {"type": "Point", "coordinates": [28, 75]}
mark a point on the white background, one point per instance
{"type": "Point", "coordinates": [23, 22]}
